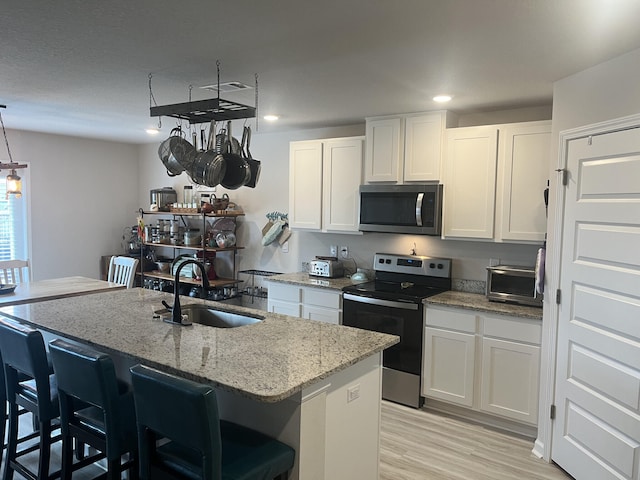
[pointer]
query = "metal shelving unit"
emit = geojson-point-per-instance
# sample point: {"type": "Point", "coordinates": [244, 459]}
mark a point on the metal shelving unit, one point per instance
{"type": "Point", "coordinates": [251, 290]}
{"type": "Point", "coordinates": [203, 247]}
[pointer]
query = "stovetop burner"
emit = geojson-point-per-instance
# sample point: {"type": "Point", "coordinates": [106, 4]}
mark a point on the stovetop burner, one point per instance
{"type": "Point", "coordinates": [405, 277]}
{"type": "Point", "coordinates": [394, 290]}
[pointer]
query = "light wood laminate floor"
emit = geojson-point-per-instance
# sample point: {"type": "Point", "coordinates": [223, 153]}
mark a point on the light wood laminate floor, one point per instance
{"type": "Point", "coordinates": [422, 445]}
{"type": "Point", "coordinates": [425, 445]}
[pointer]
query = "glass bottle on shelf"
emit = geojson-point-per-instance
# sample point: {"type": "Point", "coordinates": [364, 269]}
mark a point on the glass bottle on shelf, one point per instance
{"type": "Point", "coordinates": [187, 196]}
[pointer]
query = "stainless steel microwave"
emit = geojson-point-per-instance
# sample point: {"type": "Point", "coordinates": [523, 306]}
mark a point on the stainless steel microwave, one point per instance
{"type": "Point", "coordinates": [415, 209]}
{"type": "Point", "coordinates": [513, 284]}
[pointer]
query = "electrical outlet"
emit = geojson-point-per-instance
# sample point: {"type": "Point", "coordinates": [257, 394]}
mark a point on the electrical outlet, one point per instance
{"type": "Point", "coordinates": [285, 247]}
{"type": "Point", "coordinates": [353, 393]}
{"type": "Point", "coordinates": [333, 250]}
{"type": "Point", "coordinates": [305, 266]}
{"type": "Point", "coordinates": [344, 251]}
{"type": "Point", "coordinates": [494, 261]}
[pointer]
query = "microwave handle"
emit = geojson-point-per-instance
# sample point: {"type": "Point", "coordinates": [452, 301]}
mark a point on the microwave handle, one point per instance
{"type": "Point", "coordinates": [419, 209]}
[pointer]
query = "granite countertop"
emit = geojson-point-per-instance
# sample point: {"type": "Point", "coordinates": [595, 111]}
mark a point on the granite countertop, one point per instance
{"type": "Point", "coordinates": [305, 280]}
{"type": "Point", "coordinates": [475, 301]}
{"type": "Point", "coordinates": [267, 361]}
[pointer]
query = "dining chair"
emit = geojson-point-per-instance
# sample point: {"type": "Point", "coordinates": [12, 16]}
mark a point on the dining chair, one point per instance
{"type": "Point", "coordinates": [180, 435]}
{"type": "Point", "coordinates": [122, 270]}
{"type": "Point", "coordinates": [12, 271]}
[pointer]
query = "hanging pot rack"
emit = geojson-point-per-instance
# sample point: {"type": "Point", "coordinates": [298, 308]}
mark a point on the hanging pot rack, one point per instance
{"type": "Point", "coordinates": [201, 111]}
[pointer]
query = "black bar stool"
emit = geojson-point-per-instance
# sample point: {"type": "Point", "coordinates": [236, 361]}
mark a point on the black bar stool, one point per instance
{"type": "Point", "coordinates": [108, 423]}
{"type": "Point", "coordinates": [4, 416]}
{"type": "Point", "coordinates": [24, 356]}
{"type": "Point", "coordinates": [200, 445]}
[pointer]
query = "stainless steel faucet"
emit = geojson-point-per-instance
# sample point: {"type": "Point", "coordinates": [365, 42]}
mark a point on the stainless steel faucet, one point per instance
{"type": "Point", "coordinates": [176, 311]}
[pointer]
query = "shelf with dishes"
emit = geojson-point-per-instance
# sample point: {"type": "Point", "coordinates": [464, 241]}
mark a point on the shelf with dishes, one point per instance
{"type": "Point", "coordinates": [217, 283]}
{"type": "Point", "coordinates": [198, 235]}
{"type": "Point", "coordinates": [192, 212]}
{"type": "Point", "coordinates": [197, 248]}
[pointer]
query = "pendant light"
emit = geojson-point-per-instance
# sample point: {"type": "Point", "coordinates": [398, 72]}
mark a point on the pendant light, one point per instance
{"type": "Point", "coordinates": [14, 182]}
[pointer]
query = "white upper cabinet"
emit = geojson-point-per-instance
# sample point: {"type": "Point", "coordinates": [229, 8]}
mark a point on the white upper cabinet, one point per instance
{"type": "Point", "coordinates": [383, 151]}
{"type": "Point", "coordinates": [406, 148]}
{"type": "Point", "coordinates": [342, 176]}
{"type": "Point", "coordinates": [423, 146]}
{"type": "Point", "coordinates": [324, 181]}
{"type": "Point", "coordinates": [494, 179]}
{"type": "Point", "coordinates": [523, 169]}
{"type": "Point", "coordinates": [305, 184]}
{"type": "Point", "coordinates": [470, 182]}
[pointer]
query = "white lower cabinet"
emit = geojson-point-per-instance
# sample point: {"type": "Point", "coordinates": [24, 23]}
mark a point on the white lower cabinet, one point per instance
{"type": "Point", "coordinates": [509, 379]}
{"type": "Point", "coordinates": [307, 302]}
{"type": "Point", "coordinates": [448, 366]}
{"type": "Point", "coordinates": [486, 362]}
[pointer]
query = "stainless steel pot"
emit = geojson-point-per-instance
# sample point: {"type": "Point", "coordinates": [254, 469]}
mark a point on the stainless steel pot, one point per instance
{"type": "Point", "coordinates": [176, 153]}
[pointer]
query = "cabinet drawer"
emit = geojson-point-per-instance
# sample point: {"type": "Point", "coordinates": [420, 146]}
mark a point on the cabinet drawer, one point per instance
{"type": "Point", "coordinates": [322, 298]}
{"type": "Point", "coordinates": [321, 314]}
{"type": "Point", "coordinates": [513, 328]}
{"type": "Point", "coordinates": [288, 293]}
{"type": "Point", "coordinates": [451, 319]}
{"type": "Point", "coordinates": [284, 308]}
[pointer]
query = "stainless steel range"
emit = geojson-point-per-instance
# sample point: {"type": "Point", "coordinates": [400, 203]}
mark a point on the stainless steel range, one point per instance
{"type": "Point", "coordinates": [392, 303]}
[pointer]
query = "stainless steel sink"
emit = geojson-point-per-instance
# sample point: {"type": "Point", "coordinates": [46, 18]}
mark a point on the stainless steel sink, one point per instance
{"type": "Point", "coordinates": [211, 317]}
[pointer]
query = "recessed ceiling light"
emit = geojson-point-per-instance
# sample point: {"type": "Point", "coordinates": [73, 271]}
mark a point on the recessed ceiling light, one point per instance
{"type": "Point", "coordinates": [271, 118]}
{"type": "Point", "coordinates": [152, 131]}
{"type": "Point", "coordinates": [442, 98]}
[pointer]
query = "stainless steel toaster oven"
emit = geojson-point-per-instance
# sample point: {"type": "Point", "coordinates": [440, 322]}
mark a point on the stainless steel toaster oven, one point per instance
{"type": "Point", "coordinates": [513, 284]}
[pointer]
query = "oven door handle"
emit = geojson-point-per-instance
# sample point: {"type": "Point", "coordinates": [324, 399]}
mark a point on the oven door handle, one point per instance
{"type": "Point", "coordinates": [378, 301]}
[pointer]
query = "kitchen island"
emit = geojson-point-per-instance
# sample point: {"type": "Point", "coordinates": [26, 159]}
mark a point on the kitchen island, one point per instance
{"type": "Point", "coordinates": [314, 386]}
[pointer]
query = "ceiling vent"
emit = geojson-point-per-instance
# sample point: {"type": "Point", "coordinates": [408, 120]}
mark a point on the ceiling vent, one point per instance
{"type": "Point", "coordinates": [227, 87]}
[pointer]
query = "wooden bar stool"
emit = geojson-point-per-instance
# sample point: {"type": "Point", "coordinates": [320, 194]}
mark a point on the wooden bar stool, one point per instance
{"type": "Point", "coordinates": [104, 418]}
{"type": "Point", "coordinates": [24, 356]}
{"type": "Point", "coordinates": [196, 444]}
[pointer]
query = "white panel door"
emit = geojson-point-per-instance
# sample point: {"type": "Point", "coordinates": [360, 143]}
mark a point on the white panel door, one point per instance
{"type": "Point", "coordinates": [596, 433]}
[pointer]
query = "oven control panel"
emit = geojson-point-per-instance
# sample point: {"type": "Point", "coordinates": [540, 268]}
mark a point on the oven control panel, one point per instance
{"type": "Point", "coordinates": [412, 264]}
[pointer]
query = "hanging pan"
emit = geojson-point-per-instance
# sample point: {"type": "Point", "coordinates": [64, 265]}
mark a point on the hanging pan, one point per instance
{"type": "Point", "coordinates": [237, 172]}
{"type": "Point", "coordinates": [209, 165]}
{"type": "Point", "coordinates": [176, 153]}
{"type": "Point", "coordinates": [254, 165]}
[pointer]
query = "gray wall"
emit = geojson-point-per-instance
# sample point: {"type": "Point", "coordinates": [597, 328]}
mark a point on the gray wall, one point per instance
{"type": "Point", "coordinates": [82, 194]}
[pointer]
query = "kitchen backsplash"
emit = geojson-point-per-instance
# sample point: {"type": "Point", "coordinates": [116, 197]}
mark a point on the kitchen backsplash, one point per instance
{"type": "Point", "coordinates": [468, 286]}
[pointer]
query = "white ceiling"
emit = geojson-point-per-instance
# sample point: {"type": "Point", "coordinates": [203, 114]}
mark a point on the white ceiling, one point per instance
{"type": "Point", "coordinates": [81, 67]}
